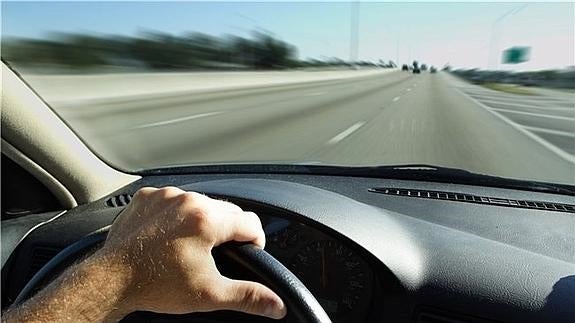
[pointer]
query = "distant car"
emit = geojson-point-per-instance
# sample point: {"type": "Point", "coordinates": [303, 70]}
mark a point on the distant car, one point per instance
{"type": "Point", "coordinates": [416, 70]}
{"type": "Point", "coordinates": [423, 67]}
{"type": "Point", "coordinates": [404, 67]}
{"type": "Point", "coordinates": [433, 70]}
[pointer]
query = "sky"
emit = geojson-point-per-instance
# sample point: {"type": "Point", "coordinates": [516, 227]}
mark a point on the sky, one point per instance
{"type": "Point", "coordinates": [462, 34]}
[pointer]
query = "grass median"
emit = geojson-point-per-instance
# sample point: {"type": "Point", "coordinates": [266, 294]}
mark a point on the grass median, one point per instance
{"type": "Point", "coordinates": [508, 88]}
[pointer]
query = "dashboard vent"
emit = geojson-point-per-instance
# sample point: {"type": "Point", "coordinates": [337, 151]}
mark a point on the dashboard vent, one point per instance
{"type": "Point", "coordinates": [40, 256]}
{"type": "Point", "coordinates": [119, 200]}
{"type": "Point", "coordinates": [459, 197]}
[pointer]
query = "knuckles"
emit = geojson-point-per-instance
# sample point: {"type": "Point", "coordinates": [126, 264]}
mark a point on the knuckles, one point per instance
{"type": "Point", "coordinates": [194, 208]}
{"type": "Point", "coordinates": [168, 192]}
{"type": "Point", "coordinates": [144, 192]}
{"type": "Point", "coordinates": [200, 220]}
{"type": "Point", "coordinates": [187, 198]}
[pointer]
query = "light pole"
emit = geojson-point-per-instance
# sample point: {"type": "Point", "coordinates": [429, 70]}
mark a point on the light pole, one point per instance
{"type": "Point", "coordinates": [397, 53]}
{"type": "Point", "coordinates": [353, 32]}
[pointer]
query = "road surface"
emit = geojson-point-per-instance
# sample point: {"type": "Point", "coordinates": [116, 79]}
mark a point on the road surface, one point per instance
{"type": "Point", "coordinates": [393, 118]}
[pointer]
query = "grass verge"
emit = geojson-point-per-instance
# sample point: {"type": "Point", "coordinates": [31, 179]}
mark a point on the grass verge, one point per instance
{"type": "Point", "coordinates": [508, 88]}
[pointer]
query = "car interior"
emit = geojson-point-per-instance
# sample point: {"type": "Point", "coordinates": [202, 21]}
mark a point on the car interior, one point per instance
{"type": "Point", "coordinates": [400, 244]}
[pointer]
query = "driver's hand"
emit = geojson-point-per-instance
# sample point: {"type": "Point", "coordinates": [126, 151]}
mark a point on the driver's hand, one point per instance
{"type": "Point", "coordinates": [164, 240]}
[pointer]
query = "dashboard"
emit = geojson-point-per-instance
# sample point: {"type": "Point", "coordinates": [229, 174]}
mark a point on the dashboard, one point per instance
{"type": "Point", "coordinates": [370, 255]}
{"type": "Point", "coordinates": [338, 273]}
{"type": "Point", "coordinates": [345, 279]}
{"type": "Point", "coordinates": [338, 276]}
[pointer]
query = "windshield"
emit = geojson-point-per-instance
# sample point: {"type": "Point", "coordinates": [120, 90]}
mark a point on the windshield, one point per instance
{"type": "Point", "coordinates": [483, 87]}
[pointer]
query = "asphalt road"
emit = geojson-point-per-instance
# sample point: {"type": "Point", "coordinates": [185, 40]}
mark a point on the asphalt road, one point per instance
{"type": "Point", "coordinates": [394, 118]}
{"type": "Point", "coordinates": [549, 117]}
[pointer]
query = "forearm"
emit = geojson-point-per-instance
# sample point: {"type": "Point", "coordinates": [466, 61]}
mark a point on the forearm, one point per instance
{"type": "Point", "coordinates": [157, 257]}
{"type": "Point", "coordinates": [91, 291]}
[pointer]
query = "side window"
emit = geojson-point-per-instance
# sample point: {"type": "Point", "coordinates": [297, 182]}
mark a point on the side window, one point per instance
{"type": "Point", "coordinates": [22, 193]}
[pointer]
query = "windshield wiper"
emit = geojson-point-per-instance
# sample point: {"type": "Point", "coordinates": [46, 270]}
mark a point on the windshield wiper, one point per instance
{"type": "Point", "coordinates": [414, 172]}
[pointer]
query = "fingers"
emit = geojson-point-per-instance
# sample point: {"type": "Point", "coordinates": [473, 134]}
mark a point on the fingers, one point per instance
{"type": "Point", "coordinates": [249, 297]}
{"type": "Point", "coordinates": [228, 206]}
{"type": "Point", "coordinates": [232, 223]}
{"type": "Point", "coordinates": [242, 227]}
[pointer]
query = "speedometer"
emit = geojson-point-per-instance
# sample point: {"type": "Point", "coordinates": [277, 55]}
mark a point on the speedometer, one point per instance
{"type": "Point", "coordinates": [336, 276]}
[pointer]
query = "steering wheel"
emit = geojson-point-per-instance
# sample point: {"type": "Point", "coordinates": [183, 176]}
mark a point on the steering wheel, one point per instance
{"type": "Point", "coordinates": [301, 304]}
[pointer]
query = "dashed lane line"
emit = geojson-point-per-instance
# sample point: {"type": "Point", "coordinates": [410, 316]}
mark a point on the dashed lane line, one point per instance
{"type": "Point", "coordinates": [342, 135]}
{"type": "Point", "coordinates": [176, 120]}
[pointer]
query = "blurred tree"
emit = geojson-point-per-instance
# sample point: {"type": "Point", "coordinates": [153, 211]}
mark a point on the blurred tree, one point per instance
{"type": "Point", "coordinates": [154, 50]}
{"type": "Point", "coordinates": [271, 53]}
{"type": "Point", "coordinates": [161, 51]}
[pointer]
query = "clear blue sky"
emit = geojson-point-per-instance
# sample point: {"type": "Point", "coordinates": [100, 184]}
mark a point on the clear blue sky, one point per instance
{"type": "Point", "coordinates": [436, 33]}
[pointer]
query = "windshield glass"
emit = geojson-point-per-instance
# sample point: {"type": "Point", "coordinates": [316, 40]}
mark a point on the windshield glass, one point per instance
{"type": "Point", "coordinates": [484, 87]}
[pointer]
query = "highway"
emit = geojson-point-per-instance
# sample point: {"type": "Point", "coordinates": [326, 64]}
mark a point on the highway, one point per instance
{"type": "Point", "coordinates": [387, 119]}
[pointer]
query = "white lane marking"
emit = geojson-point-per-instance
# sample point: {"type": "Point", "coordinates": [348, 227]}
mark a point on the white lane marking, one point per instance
{"type": "Point", "coordinates": [538, 115]}
{"type": "Point", "coordinates": [342, 135]}
{"type": "Point", "coordinates": [515, 97]}
{"type": "Point", "coordinates": [558, 151]}
{"type": "Point", "coordinates": [314, 94]}
{"type": "Point", "coordinates": [488, 101]}
{"type": "Point", "coordinates": [522, 98]}
{"type": "Point", "coordinates": [415, 85]}
{"type": "Point", "coordinates": [525, 102]}
{"type": "Point", "coordinates": [413, 126]}
{"type": "Point", "coordinates": [396, 98]}
{"type": "Point", "coordinates": [551, 131]}
{"type": "Point", "coordinates": [408, 89]}
{"type": "Point", "coordinates": [171, 121]}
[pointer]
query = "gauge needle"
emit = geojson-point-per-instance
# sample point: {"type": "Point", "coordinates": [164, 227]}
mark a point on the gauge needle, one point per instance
{"type": "Point", "coordinates": [323, 279]}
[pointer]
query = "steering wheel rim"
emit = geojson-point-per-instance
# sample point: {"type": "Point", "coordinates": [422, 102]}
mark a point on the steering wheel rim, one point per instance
{"type": "Point", "coordinates": [300, 302]}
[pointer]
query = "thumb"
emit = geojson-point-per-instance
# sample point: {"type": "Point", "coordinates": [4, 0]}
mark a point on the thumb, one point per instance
{"type": "Point", "coordinates": [252, 298]}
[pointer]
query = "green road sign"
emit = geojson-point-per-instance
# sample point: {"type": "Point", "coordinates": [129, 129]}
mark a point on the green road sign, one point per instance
{"type": "Point", "coordinates": [516, 55]}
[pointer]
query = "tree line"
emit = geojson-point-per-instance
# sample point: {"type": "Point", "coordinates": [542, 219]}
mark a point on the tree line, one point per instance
{"type": "Point", "coordinates": [161, 51]}
{"type": "Point", "coordinates": [561, 78]}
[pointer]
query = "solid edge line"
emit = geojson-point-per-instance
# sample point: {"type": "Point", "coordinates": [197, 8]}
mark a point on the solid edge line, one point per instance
{"type": "Point", "coordinates": [538, 115]}
{"type": "Point", "coordinates": [558, 151]}
{"type": "Point", "coordinates": [529, 105]}
{"type": "Point", "coordinates": [538, 99]}
{"type": "Point", "coordinates": [550, 131]}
